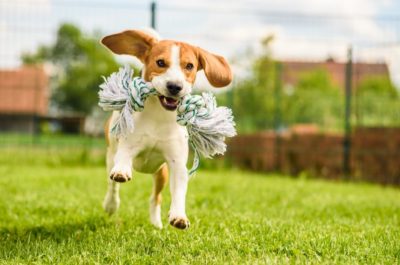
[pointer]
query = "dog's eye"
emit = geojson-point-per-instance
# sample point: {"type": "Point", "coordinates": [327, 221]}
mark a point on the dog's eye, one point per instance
{"type": "Point", "coordinates": [189, 66]}
{"type": "Point", "coordinates": [161, 63]}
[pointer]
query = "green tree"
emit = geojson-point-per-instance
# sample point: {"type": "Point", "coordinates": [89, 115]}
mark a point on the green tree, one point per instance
{"type": "Point", "coordinates": [79, 62]}
{"type": "Point", "coordinates": [377, 102]}
{"type": "Point", "coordinates": [315, 99]}
{"type": "Point", "coordinates": [253, 97]}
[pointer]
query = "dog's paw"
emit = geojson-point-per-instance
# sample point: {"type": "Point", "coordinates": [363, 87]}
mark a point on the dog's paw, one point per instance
{"type": "Point", "coordinates": [180, 222]}
{"type": "Point", "coordinates": [156, 221]}
{"type": "Point", "coordinates": [110, 204]}
{"type": "Point", "coordinates": [121, 173]}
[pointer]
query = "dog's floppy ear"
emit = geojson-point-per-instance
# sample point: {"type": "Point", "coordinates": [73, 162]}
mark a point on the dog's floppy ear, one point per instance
{"type": "Point", "coordinates": [132, 42]}
{"type": "Point", "coordinates": [215, 67]}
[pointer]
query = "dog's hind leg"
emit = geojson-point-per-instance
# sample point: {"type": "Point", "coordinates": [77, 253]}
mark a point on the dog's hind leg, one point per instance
{"type": "Point", "coordinates": [160, 179]}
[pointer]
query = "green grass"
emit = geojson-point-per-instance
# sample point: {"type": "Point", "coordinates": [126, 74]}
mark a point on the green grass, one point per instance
{"type": "Point", "coordinates": [50, 212]}
{"type": "Point", "coordinates": [50, 140]}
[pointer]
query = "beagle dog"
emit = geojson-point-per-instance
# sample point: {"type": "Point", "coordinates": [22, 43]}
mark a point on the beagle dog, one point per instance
{"type": "Point", "coordinates": [159, 145]}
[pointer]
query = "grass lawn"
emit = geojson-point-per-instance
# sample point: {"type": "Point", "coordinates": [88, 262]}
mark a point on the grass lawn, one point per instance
{"type": "Point", "coordinates": [51, 213]}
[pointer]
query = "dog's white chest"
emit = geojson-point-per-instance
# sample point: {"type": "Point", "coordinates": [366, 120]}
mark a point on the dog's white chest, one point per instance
{"type": "Point", "coordinates": [156, 135]}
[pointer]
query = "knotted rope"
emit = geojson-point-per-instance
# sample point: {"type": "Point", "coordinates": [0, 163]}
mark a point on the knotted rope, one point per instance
{"type": "Point", "coordinates": [207, 124]}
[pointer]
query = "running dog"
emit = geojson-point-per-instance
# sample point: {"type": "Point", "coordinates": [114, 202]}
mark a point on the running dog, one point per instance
{"type": "Point", "coordinates": [159, 145]}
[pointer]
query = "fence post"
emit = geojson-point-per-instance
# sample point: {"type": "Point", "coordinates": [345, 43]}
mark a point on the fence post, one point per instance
{"type": "Point", "coordinates": [153, 14]}
{"type": "Point", "coordinates": [277, 114]}
{"type": "Point", "coordinates": [347, 117]}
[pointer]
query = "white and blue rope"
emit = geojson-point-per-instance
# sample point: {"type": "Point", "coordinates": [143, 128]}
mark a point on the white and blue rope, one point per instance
{"type": "Point", "coordinates": [207, 124]}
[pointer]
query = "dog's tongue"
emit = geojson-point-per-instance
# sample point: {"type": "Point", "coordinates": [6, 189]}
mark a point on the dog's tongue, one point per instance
{"type": "Point", "coordinates": [171, 100]}
{"type": "Point", "coordinates": [169, 103]}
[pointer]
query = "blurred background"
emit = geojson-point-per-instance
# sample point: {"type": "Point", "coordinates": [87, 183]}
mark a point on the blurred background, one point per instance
{"type": "Point", "coordinates": [316, 89]}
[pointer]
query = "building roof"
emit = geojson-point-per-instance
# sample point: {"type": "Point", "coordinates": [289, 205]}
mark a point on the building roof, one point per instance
{"type": "Point", "coordinates": [293, 70]}
{"type": "Point", "coordinates": [24, 91]}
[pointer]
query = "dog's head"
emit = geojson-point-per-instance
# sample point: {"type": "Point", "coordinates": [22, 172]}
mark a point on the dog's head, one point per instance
{"type": "Point", "coordinates": [171, 66]}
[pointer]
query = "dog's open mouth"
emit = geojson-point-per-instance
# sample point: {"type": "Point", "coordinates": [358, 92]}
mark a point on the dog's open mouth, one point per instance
{"type": "Point", "coordinates": [168, 103]}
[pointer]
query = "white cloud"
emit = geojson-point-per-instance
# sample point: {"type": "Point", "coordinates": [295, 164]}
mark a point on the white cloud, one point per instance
{"type": "Point", "coordinates": [3, 26]}
{"type": "Point", "coordinates": [26, 5]}
{"type": "Point", "coordinates": [349, 22]}
{"type": "Point", "coordinates": [17, 18]}
{"type": "Point", "coordinates": [235, 25]}
{"type": "Point", "coordinates": [229, 27]}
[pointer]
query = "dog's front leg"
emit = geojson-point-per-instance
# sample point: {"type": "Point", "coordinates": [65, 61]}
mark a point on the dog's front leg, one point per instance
{"type": "Point", "coordinates": [111, 201]}
{"type": "Point", "coordinates": [178, 186]}
{"type": "Point", "coordinates": [122, 169]}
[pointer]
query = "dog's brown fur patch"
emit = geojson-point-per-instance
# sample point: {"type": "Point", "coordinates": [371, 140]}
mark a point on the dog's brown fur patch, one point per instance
{"type": "Point", "coordinates": [160, 179]}
{"type": "Point", "coordinates": [149, 50]}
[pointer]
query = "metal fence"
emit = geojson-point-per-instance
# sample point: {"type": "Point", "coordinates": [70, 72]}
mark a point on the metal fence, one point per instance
{"type": "Point", "coordinates": [25, 25]}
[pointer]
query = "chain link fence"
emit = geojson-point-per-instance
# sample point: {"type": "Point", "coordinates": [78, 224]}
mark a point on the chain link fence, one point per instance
{"type": "Point", "coordinates": [293, 81]}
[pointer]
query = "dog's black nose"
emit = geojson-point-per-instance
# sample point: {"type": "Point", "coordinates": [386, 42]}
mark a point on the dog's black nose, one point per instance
{"type": "Point", "coordinates": [174, 88]}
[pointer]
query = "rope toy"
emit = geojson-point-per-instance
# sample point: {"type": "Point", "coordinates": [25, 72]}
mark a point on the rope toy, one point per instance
{"type": "Point", "coordinates": [207, 124]}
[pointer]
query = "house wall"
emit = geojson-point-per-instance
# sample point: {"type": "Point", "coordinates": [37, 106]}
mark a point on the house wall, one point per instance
{"type": "Point", "coordinates": [24, 91]}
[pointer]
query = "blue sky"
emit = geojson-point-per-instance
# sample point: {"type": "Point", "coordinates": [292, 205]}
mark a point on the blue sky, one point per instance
{"type": "Point", "coordinates": [303, 29]}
